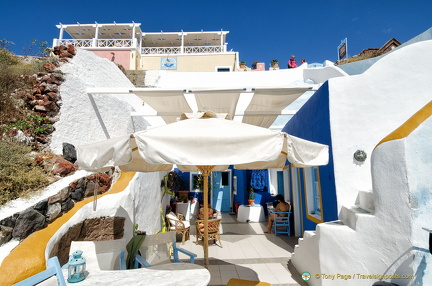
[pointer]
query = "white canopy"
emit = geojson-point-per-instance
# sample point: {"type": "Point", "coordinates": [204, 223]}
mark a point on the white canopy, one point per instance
{"type": "Point", "coordinates": [205, 141]}
{"type": "Point", "coordinates": [257, 106]}
{"type": "Point", "coordinates": [202, 141]}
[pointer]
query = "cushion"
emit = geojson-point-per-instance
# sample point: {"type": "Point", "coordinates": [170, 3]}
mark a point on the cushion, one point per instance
{"type": "Point", "coordinates": [172, 215]}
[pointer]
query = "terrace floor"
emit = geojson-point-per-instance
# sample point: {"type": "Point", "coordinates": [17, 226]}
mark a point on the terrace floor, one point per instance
{"type": "Point", "coordinates": [247, 253]}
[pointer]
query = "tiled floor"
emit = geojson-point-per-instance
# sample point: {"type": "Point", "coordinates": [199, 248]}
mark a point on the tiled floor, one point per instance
{"type": "Point", "coordinates": [247, 253]}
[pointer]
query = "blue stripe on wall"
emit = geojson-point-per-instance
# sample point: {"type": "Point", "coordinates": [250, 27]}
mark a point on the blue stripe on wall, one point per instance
{"type": "Point", "coordinates": [312, 122]}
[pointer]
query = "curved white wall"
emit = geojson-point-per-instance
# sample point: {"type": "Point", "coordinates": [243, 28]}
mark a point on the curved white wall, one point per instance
{"type": "Point", "coordinates": [141, 201]}
{"type": "Point", "coordinates": [367, 107]}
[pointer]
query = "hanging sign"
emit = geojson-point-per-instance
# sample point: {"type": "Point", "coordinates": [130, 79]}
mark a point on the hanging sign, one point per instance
{"type": "Point", "coordinates": [168, 63]}
{"type": "Point", "coordinates": [342, 49]}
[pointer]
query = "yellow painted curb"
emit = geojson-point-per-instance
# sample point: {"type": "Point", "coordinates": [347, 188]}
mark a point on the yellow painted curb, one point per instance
{"type": "Point", "coordinates": [410, 125]}
{"type": "Point", "coordinates": [28, 258]}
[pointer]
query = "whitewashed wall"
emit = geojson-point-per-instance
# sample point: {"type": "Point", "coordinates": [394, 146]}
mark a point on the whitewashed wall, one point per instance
{"type": "Point", "coordinates": [250, 79]}
{"type": "Point", "coordinates": [367, 107]}
{"type": "Point", "coordinates": [78, 122]}
{"type": "Point", "coordinates": [141, 201]}
{"type": "Point", "coordinates": [364, 109]}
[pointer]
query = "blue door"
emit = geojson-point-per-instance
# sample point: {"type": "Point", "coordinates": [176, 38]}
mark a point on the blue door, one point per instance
{"type": "Point", "coordinates": [221, 191]}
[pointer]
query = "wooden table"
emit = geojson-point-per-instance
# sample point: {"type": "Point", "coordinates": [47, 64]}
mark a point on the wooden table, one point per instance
{"type": "Point", "coordinates": [253, 213]}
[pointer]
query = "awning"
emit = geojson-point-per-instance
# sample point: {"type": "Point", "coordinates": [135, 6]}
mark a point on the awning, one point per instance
{"type": "Point", "coordinates": [259, 107]}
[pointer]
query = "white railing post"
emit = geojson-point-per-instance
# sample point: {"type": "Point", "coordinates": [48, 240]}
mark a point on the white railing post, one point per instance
{"type": "Point", "coordinates": [96, 39]}
{"type": "Point", "coordinates": [182, 43]}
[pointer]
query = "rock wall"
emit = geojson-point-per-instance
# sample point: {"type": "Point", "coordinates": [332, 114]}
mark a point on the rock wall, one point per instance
{"type": "Point", "coordinates": [94, 229]}
{"type": "Point", "coordinates": [21, 224]}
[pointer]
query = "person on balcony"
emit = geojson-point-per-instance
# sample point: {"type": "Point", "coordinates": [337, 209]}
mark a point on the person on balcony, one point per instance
{"type": "Point", "coordinates": [292, 62]}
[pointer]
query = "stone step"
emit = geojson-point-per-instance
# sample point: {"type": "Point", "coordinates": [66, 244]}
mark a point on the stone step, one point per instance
{"type": "Point", "coordinates": [366, 201]}
{"type": "Point", "coordinates": [350, 216]}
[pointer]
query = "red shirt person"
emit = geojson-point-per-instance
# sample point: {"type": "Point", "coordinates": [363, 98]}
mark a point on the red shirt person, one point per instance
{"type": "Point", "coordinates": [292, 62]}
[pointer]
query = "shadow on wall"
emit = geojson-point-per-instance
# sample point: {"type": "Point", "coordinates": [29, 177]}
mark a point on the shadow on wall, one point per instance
{"type": "Point", "coordinates": [406, 261]}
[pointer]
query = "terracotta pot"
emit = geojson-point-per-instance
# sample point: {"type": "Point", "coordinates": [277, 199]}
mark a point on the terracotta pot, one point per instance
{"type": "Point", "coordinates": [251, 202]}
{"type": "Point", "coordinates": [183, 195]}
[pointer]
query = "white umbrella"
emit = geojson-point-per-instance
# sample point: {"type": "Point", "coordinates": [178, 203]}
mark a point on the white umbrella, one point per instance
{"type": "Point", "coordinates": [206, 141]}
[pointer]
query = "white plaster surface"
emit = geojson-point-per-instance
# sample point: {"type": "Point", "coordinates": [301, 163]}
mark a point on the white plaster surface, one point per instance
{"type": "Point", "coordinates": [252, 79]}
{"type": "Point", "coordinates": [141, 202]}
{"type": "Point", "coordinates": [78, 122]}
{"type": "Point", "coordinates": [179, 274]}
{"type": "Point", "coordinates": [390, 239]}
{"type": "Point", "coordinates": [138, 203]}
{"type": "Point", "coordinates": [367, 107]}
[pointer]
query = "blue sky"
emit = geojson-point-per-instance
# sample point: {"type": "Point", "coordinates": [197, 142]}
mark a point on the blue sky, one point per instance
{"type": "Point", "coordinates": [259, 30]}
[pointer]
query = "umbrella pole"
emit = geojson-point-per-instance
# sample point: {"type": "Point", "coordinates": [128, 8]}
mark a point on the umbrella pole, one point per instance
{"type": "Point", "coordinates": [205, 170]}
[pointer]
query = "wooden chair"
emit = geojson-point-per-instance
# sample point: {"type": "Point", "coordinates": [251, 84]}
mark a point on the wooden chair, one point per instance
{"type": "Point", "coordinates": [281, 223]}
{"type": "Point", "coordinates": [212, 213]}
{"type": "Point", "coordinates": [213, 230]}
{"type": "Point", "coordinates": [53, 269]}
{"type": "Point", "coordinates": [156, 250]}
{"type": "Point", "coordinates": [177, 224]}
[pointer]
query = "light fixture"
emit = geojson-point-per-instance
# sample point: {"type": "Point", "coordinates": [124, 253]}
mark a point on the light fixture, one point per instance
{"type": "Point", "coordinates": [360, 155]}
{"type": "Point", "coordinates": [76, 267]}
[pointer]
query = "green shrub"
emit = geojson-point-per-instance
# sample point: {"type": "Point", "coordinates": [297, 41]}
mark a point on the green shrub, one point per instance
{"type": "Point", "coordinates": [19, 174]}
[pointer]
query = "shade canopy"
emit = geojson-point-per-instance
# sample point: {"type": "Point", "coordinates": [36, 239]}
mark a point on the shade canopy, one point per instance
{"type": "Point", "coordinates": [203, 140]}
{"type": "Point", "coordinates": [255, 106]}
{"type": "Point", "coordinates": [206, 141]}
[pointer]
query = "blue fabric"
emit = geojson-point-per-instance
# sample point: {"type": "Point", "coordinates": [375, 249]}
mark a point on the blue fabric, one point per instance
{"type": "Point", "coordinates": [259, 179]}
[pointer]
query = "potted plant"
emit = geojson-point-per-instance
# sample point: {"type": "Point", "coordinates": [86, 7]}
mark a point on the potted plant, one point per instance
{"type": "Point", "coordinates": [252, 196]}
{"type": "Point", "coordinates": [275, 64]}
{"type": "Point", "coordinates": [242, 64]}
{"type": "Point", "coordinates": [254, 65]}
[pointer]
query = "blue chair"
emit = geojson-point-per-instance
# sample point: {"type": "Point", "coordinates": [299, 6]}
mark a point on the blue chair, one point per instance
{"type": "Point", "coordinates": [281, 223]}
{"type": "Point", "coordinates": [154, 251]}
{"type": "Point", "coordinates": [53, 269]}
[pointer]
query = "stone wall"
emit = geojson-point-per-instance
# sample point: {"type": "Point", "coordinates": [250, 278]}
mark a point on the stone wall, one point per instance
{"type": "Point", "coordinates": [94, 229]}
{"type": "Point", "coordinates": [20, 225]}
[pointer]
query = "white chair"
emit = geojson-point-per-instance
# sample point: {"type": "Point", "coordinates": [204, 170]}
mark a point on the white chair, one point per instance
{"type": "Point", "coordinates": [178, 225]}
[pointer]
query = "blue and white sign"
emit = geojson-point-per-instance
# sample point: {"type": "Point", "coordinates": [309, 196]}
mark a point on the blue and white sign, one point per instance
{"type": "Point", "coordinates": [169, 63]}
{"type": "Point", "coordinates": [343, 49]}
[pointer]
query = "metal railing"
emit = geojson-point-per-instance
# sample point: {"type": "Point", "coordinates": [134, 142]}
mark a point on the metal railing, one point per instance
{"type": "Point", "coordinates": [101, 43]}
{"type": "Point", "coordinates": [203, 49]}
{"type": "Point", "coordinates": [160, 50]}
{"type": "Point", "coordinates": [186, 50]}
{"type": "Point", "coordinates": [129, 43]}
{"type": "Point", "coordinates": [87, 43]}
{"type": "Point", "coordinates": [114, 43]}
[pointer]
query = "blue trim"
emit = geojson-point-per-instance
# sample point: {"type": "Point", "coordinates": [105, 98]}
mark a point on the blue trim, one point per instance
{"type": "Point", "coordinates": [312, 122]}
{"type": "Point", "coordinates": [53, 269]}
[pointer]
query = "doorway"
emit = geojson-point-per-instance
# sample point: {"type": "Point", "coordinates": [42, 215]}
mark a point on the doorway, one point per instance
{"type": "Point", "coordinates": [221, 190]}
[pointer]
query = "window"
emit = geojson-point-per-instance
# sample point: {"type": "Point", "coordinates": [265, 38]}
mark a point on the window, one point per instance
{"type": "Point", "coordinates": [223, 68]}
{"type": "Point", "coordinates": [196, 182]}
{"type": "Point", "coordinates": [313, 194]}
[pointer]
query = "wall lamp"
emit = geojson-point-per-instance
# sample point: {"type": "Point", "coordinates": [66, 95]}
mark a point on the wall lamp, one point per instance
{"type": "Point", "coordinates": [360, 155]}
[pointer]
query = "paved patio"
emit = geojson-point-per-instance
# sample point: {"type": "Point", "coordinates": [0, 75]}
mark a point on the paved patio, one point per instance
{"type": "Point", "coordinates": [247, 253]}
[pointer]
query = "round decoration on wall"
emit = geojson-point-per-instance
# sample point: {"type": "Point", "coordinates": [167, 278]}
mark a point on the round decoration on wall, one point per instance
{"type": "Point", "coordinates": [360, 155]}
